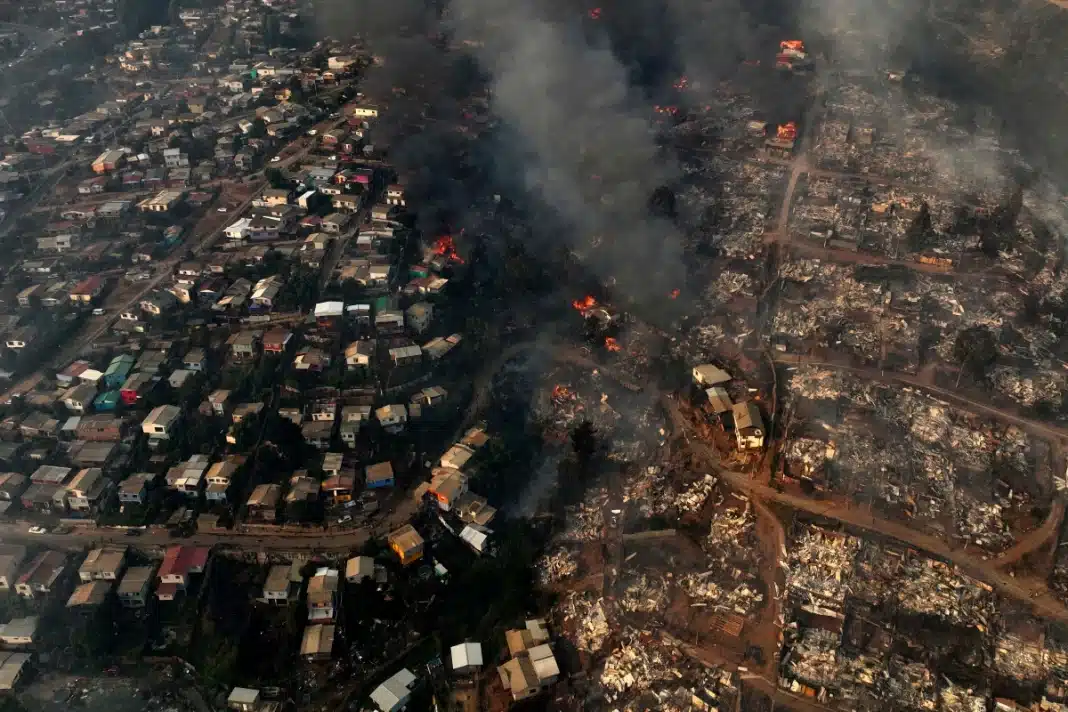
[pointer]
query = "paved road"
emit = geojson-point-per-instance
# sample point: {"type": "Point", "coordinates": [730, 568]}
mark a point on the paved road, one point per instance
{"type": "Point", "coordinates": [1032, 592]}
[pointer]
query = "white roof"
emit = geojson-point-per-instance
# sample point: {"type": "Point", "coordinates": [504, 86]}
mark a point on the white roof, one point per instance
{"type": "Point", "coordinates": [90, 374]}
{"type": "Point", "coordinates": [466, 654]}
{"type": "Point", "coordinates": [394, 692]}
{"type": "Point", "coordinates": [329, 309]}
{"type": "Point", "coordinates": [711, 375]}
{"type": "Point", "coordinates": [475, 537]}
{"type": "Point", "coordinates": [243, 696]}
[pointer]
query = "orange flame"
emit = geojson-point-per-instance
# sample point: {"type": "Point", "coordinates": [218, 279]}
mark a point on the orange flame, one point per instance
{"type": "Point", "coordinates": [585, 304]}
{"type": "Point", "coordinates": [612, 345]}
{"type": "Point", "coordinates": [787, 131]}
{"type": "Point", "coordinates": [595, 13]}
{"type": "Point", "coordinates": [682, 83]}
{"type": "Point", "coordinates": [561, 392]}
{"type": "Point", "coordinates": [796, 45]}
{"type": "Point", "coordinates": [445, 247]}
{"type": "Point", "coordinates": [675, 293]}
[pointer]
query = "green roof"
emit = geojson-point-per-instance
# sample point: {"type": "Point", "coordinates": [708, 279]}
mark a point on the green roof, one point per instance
{"type": "Point", "coordinates": [107, 398]}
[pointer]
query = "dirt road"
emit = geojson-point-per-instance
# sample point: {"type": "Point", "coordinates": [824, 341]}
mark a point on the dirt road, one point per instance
{"type": "Point", "coordinates": [1032, 592]}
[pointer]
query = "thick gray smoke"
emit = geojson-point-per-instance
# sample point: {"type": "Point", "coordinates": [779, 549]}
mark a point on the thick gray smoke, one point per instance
{"type": "Point", "coordinates": [584, 141]}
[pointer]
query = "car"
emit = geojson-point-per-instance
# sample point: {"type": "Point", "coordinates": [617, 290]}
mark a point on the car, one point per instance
{"type": "Point", "coordinates": [37, 530]}
{"type": "Point", "coordinates": [221, 210]}
{"type": "Point", "coordinates": [98, 312]}
{"type": "Point", "coordinates": [276, 159]}
{"type": "Point", "coordinates": [344, 520]}
{"type": "Point", "coordinates": [313, 132]}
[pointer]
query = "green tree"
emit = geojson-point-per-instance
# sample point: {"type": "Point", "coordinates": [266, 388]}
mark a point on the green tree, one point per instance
{"type": "Point", "coordinates": [258, 128]}
{"type": "Point", "coordinates": [174, 10]}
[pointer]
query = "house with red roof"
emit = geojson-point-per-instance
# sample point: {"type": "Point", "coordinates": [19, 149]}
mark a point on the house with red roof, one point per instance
{"type": "Point", "coordinates": [178, 564]}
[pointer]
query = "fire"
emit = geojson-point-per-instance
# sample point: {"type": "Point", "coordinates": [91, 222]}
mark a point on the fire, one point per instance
{"type": "Point", "coordinates": [595, 13]}
{"type": "Point", "coordinates": [795, 45]}
{"type": "Point", "coordinates": [682, 83]}
{"type": "Point", "coordinates": [787, 131]}
{"type": "Point", "coordinates": [675, 293]}
{"type": "Point", "coordinates": [561, 392]}
{"type": "Point", "coordinates": [612, 345]}
{"type": "Point", "coordinates": [445, 247]}
{"type": "Point", "coordinates": [585, 304]}
{"type": "Point", "coordinates": [666, 109]}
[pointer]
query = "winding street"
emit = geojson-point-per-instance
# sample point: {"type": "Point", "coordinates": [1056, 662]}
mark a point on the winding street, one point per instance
{"type": "Point", "coordinates": [1029, 591]}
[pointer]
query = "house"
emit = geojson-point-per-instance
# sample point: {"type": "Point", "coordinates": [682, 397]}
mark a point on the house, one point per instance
{"type": "Point", "coordinates": [275, 196]}
{"type": "Point", "coordinates": [406, 544]}
{"type": "Point", "coordinates": [79, 399]}
{"type": "Point", "coordinates": [392, 418]}
{"type": "Point", "coordinates": [336, 223]}
{"type": "Point", "coordinates": [311, 359]}
{"type": "Point", "coordinates": [188, 477]}
{"type": "Point", "coordinates": [339, 488]}
{"type": "Point", "coordinates": [456, 457]}
{"type": "Point", "coordinates": [278, 589]}
{"type": "Point", "coordinates": [19, 632]}
{"type": "Point", "coordinates": [41, 574]}
{"type": "Point", "coordinates": [179, 562]}
{"type": "Point", "coordinates": [343, 203]}
{"type": "Point", "coordinates": [179, 377]}
{"type": "Point", "coordinates": [406, 355]}
{"type": "Point", "coordinates": [302, 489]}
{"type": "Point", "coordinates": [159, 302]}
{"type": "Point", "coordinates": [276, 340]}
{"type": "Point", "coordinates": [318, 433]}
{"type": "Point", "coordinates": [135, 585]}
{"type": "Point", "coordinates": [243, 344]}
{"type": "Point", "coordinates": [11, 558]}
{"type": "Point", "coordinates": [359, 568]}
{"type": "Point", "coordinates": [466, 658]}
{"type": "Point", "coordinates": [118, 370]}
{"type": "Point", "coordinates": [136, 386]}
{"type": "Point", "coordinates": [265, 292]}
{"type": "Point", "coordinates": [238, 231]}
{"type": "Point", "coordinates": [365, 111]}
{"type": "Point", "coordinates": [447, 486]}
{"type": "Point", "coordinates": [418, 316]}
{"type": "Point", "coordinates": [476, 537]}
{"type": "Point", "coordinates": [56, 243]}
{"type": "Point", "coordinates": [748, 426]}
{"type": "Point", "coordinates": [395, 195]}
{"type": "Point", "coordinates": [359, 354]}
{"type": "Point", "coordinates": [379, 475]}
{"type": "Point", "coordinates": [243, 699]}
{"type": "Point", "coordinates": [719, 400]}
{"type": "Point", "coordinates": [219, 401]}
{"type": "Point", "coordinates": [162, 202]}
{"type": "Point", "coordinates": [87, 487]}
{"type": "Point", "coordinates": [528, 674]}
{"type": "Point", "coordinates": [161, 422]}
{"type": "Point", "coordinates": [89, 595]}
{"type": "Point", "coordinates": [318, 642]}
{"type": "Point", "coordinates": [134, 489]}
{"type": "Point", "coordinates": [322, 595]}
{"type": "Point", "coordinates": [103, 565]}
{"type": "Point", "coordinates": [195, 360]}
{"type": "Point", "coordinates": [108, 162]}
{"type": "Point", "coordinates": [708, 374]}
{"type": "Point", "coordinates": [263, 502]}
{"type": "Point", "coordinates": [85, 291]}
{"type": "Point", "coordinates": [12, 668]}
{"type": "Point", "coordinates": [393, 694]}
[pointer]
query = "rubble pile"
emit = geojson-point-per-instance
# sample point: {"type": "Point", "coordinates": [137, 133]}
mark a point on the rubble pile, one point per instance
{"type": "Point", "coordinates": [956, 698]}
{"type": "Point", "coordinates": [590, 621]}
{"type": "Point", "coordinates": [732, 535]}
{"type": "Point", "coordinates": [933, 588]}
{"type": "Point", "coordinates": [585, 520]}
{"type": "Point", "coordinates": [818, 568]}
{"type": "Point", "coordinates": [910, 685]}
{"type": "Point", "coordinates": [695, 494]}
{"type": "Point", "coordinates": [1018, 659]}
{"type": "Point", "coordinates": [1047, 386]}
{"type": "Point", "coordinates": [981, 523]}
{"type": "Point", "coordinates": [643, 594]}
{"type": "Point", "coordinates": [558, 565]}
{"type": "Point", "coordinates": [742, 597]}
{"type": "Point", "coordinates": [827, 384]}
{"type": "Point", "coordinates": [858, 675]}
{"type": "Point", "coordinates": [635, 666]}
{"type": "Point", "coordinates": [731, 283]}
{"type": "Point", "coordinates": [813, 657]}
{"type": "Point", "coordinates": [808, 457]}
